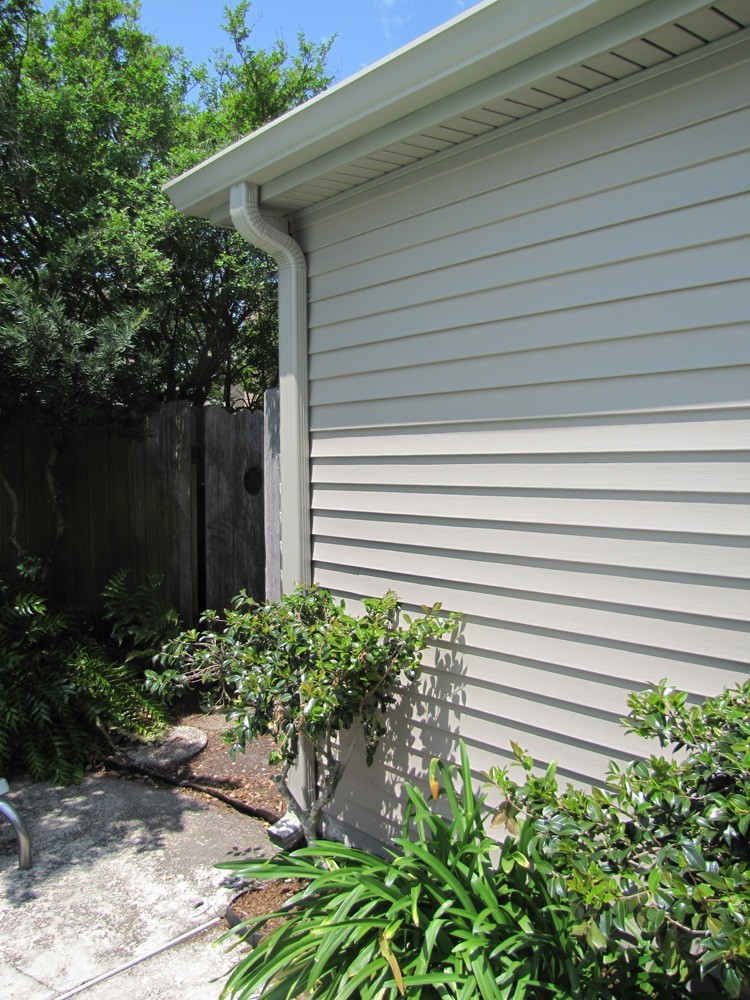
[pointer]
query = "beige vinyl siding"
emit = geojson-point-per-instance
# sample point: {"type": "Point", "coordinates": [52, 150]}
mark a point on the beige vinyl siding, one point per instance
{"type": "Point", "coordinates": [530, 400]}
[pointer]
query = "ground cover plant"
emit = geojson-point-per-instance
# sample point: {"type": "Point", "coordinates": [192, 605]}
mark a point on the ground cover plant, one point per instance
{"type": "Point", "coordinates": [638, 889]}
{"type": "Point", "coordinates": [65, 692]}
{"type": "Point", "coordinates": [303, 670]}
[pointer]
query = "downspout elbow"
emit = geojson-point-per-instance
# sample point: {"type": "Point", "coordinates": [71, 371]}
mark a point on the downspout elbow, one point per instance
{"type": "Point", "coordinates": [252, 225]}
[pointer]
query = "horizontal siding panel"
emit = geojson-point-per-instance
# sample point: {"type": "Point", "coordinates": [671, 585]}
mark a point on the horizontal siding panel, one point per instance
{"type": "Point", "coordinates": [548, 714]}
{"type": "Point", "coordinates": [708, 514]}
{"type": "Point", "coordinates": [704, 308]}
{"type": "Point", "coordinates": [529, 364]}
{"type": "Point", "coordinates": [606, 661]}
{"type": "Point", "coordinates": [727, 558]}
{"type": "Point", "coordinates": [415, 741]}
{"type": "Point", "coordinates": [467, 710]}
{"type": "Point", "coordinates": [555, 145]}
{"type": "Point", "coordinates": [622, 283]}
{"type": "Point", "coordinates": [652, 472]}
{"type": "Point", "coordinates": [528, 291]}
{"type": "Point", "coordinates": [536, 681]}
{"type": "Point", "coordinates": [620, 185]}
{"type": "Point", "coordinates": [580, 234]}
{"type": "Point", "coordinates": [727, 386]}
{"type": "Point", "coordinates": [716, 431]}
{"type": "Point", "coordinates": [666, 353]}
{"type": "Point", "coordinates": [668, 631]}
{"type": "Point", "coordinates": [434, 732]}
{"type": "Point", "coordinates": [542, 579]}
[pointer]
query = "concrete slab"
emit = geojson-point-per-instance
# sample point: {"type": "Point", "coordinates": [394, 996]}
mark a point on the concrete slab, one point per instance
{"type": "Point", "coordinates": [157, 978]}
{"type": "Point", "coordinates": [120, 867]}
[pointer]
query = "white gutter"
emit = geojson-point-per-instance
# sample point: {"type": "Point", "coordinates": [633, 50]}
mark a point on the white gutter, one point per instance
{"type": "Point", "coordinates": [293, 399]}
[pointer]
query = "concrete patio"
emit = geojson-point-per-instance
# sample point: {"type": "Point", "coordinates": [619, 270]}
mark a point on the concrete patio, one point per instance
{"type": "Point", "coordinates": [121, 867]}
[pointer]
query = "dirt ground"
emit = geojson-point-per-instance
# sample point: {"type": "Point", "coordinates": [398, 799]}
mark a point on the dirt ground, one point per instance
{"type": "Point", "coordinates": [246, 779]}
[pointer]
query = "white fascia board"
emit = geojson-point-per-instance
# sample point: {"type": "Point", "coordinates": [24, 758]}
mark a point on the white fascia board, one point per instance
{"type": "Point", "coordinates": [392, 97]}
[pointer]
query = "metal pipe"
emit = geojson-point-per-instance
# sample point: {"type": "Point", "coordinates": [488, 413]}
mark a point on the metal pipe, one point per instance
{"type": "Point", "coordinates": [22, 833]}
{"type": "Point", "coordinates": [82, 987]}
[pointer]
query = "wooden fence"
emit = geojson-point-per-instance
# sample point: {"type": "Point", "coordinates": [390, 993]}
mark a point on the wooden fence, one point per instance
{"type": "Point", "coordinates": [184, 499]}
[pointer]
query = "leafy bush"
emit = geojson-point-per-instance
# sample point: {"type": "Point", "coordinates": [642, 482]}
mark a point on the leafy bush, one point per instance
{"type": "Point", "coordinates": [654, 867]}
{"type": "Point", "coordinates": [303, 670]}
{"type": "Point", "coordinates": [61, 691]}
{"type": "Point", "coordinates": [439, 918]}
{"type": "Point", "coordinates": [636, 890]}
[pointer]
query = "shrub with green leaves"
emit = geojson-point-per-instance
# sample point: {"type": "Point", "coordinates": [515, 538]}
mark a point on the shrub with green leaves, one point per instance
{"type": "Point", "coordinates": [654, 867]}
{"type": "Point", "coordinates": [62, 694]}
{"type": "Point", "coordinates": [439, 917]}
{"type": "Point", "coordinates": [303, 670]}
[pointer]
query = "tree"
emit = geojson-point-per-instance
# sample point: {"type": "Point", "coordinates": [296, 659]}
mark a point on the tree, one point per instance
{"type": "Point", "coordinates": [221, 321]}
{"type": "Point", "coordinates": [95, 117]}
{"type": "Point", "coordinates": [303, 671]}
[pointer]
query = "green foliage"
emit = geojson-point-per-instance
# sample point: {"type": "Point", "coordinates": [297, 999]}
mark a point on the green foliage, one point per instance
{"type": "Point", "coordinates": [57, 371]}
{"type": "Point", "coordinates": [440, 918]}
{"type": "Point", "coordinates": [633, 891]}
{"type": "Point", "coordinates": [141, 620]}
{"type": "Point", "coordinates": [61, 692]}
{"type": "Point", "coordinates": [302, 669]}
{"type": "Point", "coordinates": [94, 117]}
{"type": "Point", "coordinates": [654, 867]}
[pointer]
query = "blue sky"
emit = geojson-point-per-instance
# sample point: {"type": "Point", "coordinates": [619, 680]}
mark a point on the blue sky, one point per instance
{"type": "Point", "coordinates": [366, 30]}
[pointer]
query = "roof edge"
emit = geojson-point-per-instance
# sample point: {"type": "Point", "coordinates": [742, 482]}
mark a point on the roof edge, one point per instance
{"type": "Point", "coordinates": [490, 38]}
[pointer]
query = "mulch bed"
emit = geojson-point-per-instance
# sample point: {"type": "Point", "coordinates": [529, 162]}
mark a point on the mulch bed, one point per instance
{"type": "Point", "coordinates": [264, 897]}
{"type": "Point", "coordinates": [249, 778]}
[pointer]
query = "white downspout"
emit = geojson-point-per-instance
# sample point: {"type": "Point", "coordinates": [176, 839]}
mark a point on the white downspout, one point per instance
{"type": "Point", "coordinates": [295, 452]}
{"type": "Point", "coordinates": [293, 395]}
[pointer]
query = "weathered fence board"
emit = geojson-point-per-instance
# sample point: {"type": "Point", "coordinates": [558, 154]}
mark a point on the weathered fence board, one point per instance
{"type": "Point", "coordinates": [233, 504]}
{"type": "Point", "coordinates": [136, 503]}
{"type": "Point", "coordinates": [12, 508]}
{"type": "Point", "coordinates": [172, 474]}
{"type": "Point", "coordinates": [272, 492]}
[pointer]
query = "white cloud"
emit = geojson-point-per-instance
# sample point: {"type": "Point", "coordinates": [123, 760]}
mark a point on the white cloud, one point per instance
{"type": "Point", "coordinates": [394, 16]}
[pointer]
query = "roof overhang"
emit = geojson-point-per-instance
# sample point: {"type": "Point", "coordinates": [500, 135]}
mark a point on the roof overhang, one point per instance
{"type": "Point", "coordinates": [493, 49]}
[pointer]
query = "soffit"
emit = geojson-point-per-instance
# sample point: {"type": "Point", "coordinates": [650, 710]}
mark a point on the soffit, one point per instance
{"type": "Point", "coordinates": [667, 42]}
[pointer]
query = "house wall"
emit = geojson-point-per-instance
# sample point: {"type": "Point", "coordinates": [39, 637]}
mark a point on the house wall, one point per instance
{"type": "Point", "coordinates": [529, 400]}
